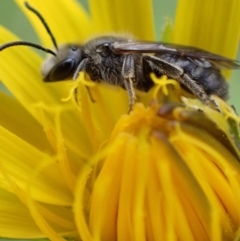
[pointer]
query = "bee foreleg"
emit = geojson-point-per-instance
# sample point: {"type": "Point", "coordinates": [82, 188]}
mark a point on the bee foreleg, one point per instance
{"type": "Point", "coordinates": [162, 67]}
{"type": "Point", "coordinates": [81, 66]}
{"type": "Point", "coordinates": [128, 73]}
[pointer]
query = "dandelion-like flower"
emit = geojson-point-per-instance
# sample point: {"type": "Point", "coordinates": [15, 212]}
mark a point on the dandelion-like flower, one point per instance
{"type": "Point", "coordinates": [167, 171]}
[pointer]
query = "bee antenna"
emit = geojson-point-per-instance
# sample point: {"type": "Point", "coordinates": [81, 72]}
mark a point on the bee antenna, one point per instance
{"type": "Point", "coordinates": [43, 22]}
{"type": "Point", "coordinates": [24, 43]}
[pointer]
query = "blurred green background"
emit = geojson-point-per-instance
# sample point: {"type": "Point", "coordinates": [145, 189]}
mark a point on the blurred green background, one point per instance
{"type": "Point", "coordinates": [12, 18]}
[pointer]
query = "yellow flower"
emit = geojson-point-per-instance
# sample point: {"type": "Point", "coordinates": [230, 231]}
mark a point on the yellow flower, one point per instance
{"type": "Point", "coordinates": [167, 171]}
{"type": "Point", "coordinates": [209, 30]}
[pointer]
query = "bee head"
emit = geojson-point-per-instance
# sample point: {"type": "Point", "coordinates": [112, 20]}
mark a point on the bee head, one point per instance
{"type": "Point", "coordinates": [63, 65]}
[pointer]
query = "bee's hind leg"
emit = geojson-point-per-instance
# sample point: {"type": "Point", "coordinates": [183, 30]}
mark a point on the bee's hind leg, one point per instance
{"type": "Point", "coordinates": [162, 67]}
{"type": "Point", "coordinates": [128, 73]}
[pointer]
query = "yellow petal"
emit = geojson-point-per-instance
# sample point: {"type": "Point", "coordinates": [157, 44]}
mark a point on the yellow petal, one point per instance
{"type": "Point", "coordinates": [61, 18]}
{"type": "Point", "coordinates": [27, 85]}
{"type": "Point", "coordinates": [15, 216]}
{"type": "Point", "coordinates": [133, 17]}
{"type": "Point", "coordinates": [17, 120]}
{"type": "Point", "coordinates": [47, 186]}
{"type": "Point", "coordinates": [151, 182]}
{"type": "Point", "coordinates": [34, 94]}
{"type": "Point", "coordinates": [211, 25]}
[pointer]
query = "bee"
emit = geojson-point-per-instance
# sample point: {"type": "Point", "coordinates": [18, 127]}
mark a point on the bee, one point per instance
{"type": "Point", "coordinates": [128, 63]}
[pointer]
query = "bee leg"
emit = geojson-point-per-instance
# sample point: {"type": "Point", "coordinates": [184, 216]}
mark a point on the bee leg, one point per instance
{"type": "Point", "coordinates": [128, 84]}
{"type": "Point", "coordinates": [162, 67]}
{"type": "Point", "coordinates": [75, 93]}
{"type": "Point", "coordinates": [128, 73]}
{"type": "Point", "coordinates": [90, 94]}
{"type": "Point", "coordinates": [81, 67]}
{"type": "Point", "coordinates": [196, 89]}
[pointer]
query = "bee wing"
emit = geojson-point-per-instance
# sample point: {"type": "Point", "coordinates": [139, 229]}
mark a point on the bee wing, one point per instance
{"type": "Point", "coordinates": [198, 56]}
{"type": "Point", "coordinates": [216, 61]}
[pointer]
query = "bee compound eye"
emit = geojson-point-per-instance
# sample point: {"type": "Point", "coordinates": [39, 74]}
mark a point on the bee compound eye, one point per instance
{"type": "Point", "coordinates": [61, 71]}
{"type": "Point", "coordinates": [103, 48]}
{"type": "Point", "coordinates": [106, 45]}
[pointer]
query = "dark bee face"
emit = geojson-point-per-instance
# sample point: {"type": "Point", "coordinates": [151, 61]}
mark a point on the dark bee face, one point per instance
{"type": "Point", "coordinates": [63, 65]}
